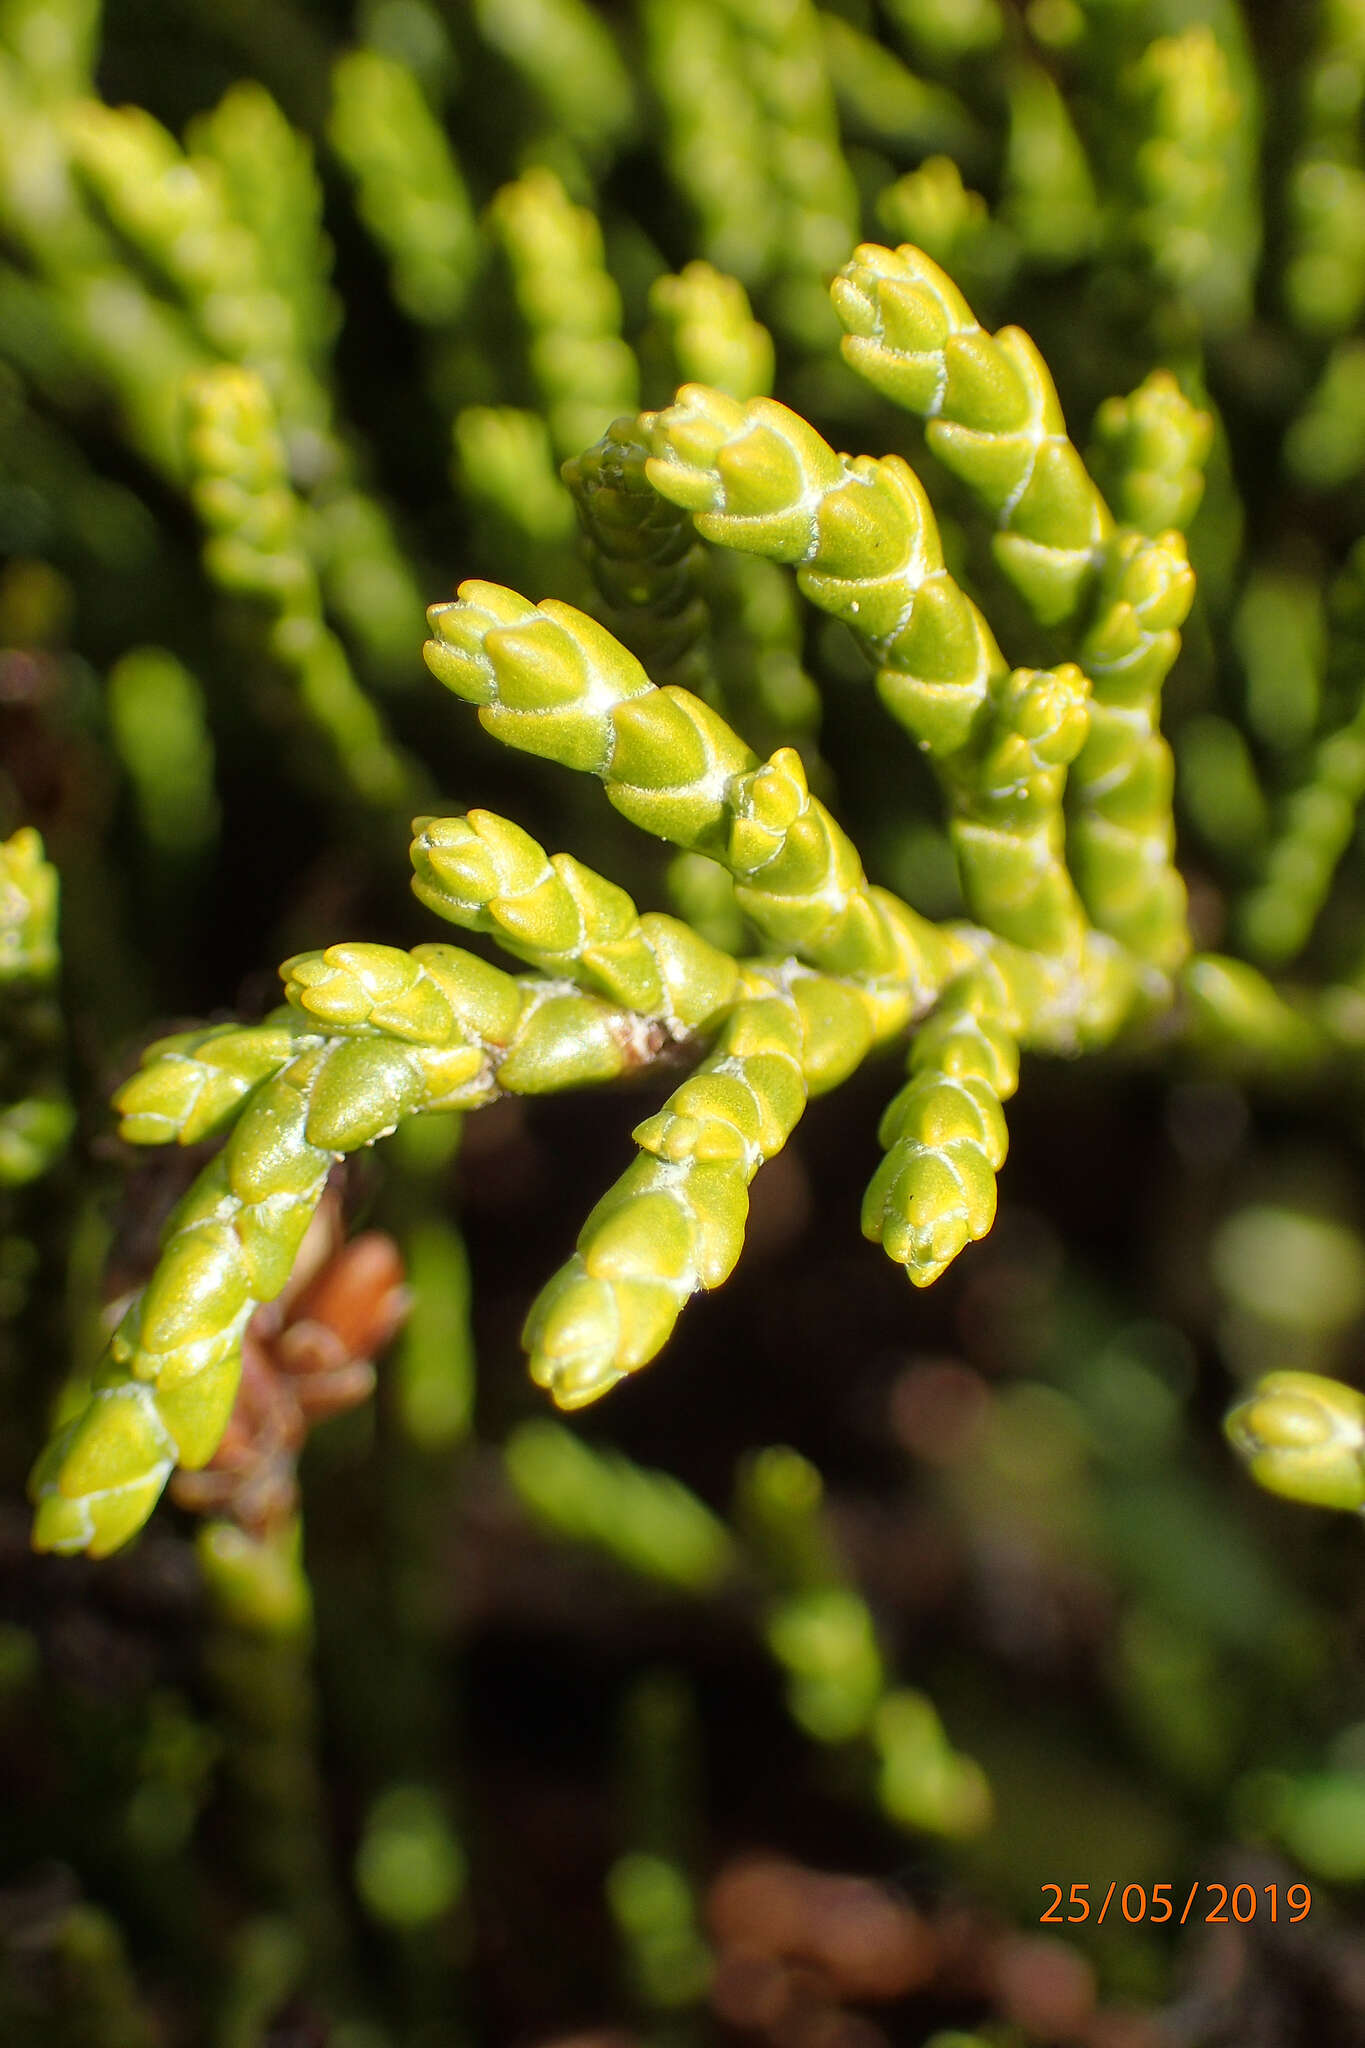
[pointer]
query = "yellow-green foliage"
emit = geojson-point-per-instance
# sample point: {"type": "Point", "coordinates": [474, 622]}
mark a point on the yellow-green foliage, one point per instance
{"type": "Point", "coordinates": [1019, 625]}
{"type": "Point", "coordinates": [905, 458]}
{"type": "Point", "coordinates": [372, 1036]}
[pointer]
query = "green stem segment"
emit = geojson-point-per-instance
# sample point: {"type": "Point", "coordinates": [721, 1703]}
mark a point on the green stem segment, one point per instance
{"type": "Point", "coordinates": [862, 535]}
{"type": "Point", "coordinates": [674, 1222]}
{"type": "Point", "coordinates": [1121, 830]}
{"type": "Point", "coordinates": [945, 1137]}
{"type": "Point", "coordinates": [992, 413]}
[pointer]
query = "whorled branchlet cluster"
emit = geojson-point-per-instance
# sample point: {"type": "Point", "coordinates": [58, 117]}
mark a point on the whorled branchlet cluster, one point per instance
{"type": "Point", "coordinates": [1057, 790]}
{"type": "Point", "coordinates": [550, 680]}
{"type": "Point", "coordinates": [488, 875]}
{"type": "Point", "coordinates": [372, 1036]}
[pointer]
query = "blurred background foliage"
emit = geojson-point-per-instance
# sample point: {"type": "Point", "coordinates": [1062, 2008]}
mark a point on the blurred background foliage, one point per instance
{"type": "Point", "coordinates": [763, 1703]}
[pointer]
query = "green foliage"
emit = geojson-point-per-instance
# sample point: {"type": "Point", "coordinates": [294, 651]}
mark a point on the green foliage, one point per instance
{"type": "Point", "coordinates": [1121, 830]}
{"type": "Point", "coordinates": [822, 1633]}
{"type": "Point", "coordinates": [156, 710]}
{"type": "Point", "coordinates": [430, 1030]}
{"type": "Point", "coordinates": [993, 418]}
{"type": "Point", "coordinates": [647, 1519]}
{"type": "Point", "coordinates": [254, 521]}
{"type": "Point", "coordinates": [410, 190]}
{"type": "Point", "coordinates": [583, 370]}
{"type": "Point", "coordinates": [1324, 281]}
{"type": "Point", "coordinates": [1302, 1436]}
{"type": "Point", "coordinates": [1193, 215]}
{"type": "Point", "coordinates": [1154, 444]}
{"type": "Point", "coordinates": [273, 371]}
{"type": "Point", "coordinates": [28, 933]}
{"type": "Point", "coordinates": [36, 1116]}
{"type": "Point", "coordinates": [944, 1137]}
{"type": "Point", "coordinates": [371, 1036]}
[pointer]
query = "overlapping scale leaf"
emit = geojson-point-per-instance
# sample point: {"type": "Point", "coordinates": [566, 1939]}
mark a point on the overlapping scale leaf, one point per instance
{"type": "Point", "coordinates": [945, 1138]}
{"type": "Point", "coordinates": [674, 1222]}
{"type": "Point", "coordinates": [554, 682]}
{"type": "Point", "coordinates": [757, 477]}
{"type": "Point", "coordinates": [992, 413]}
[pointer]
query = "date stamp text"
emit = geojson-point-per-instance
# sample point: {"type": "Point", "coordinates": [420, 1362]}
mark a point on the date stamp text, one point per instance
{"type": "Point", "coordinates": [1210, 1904]}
